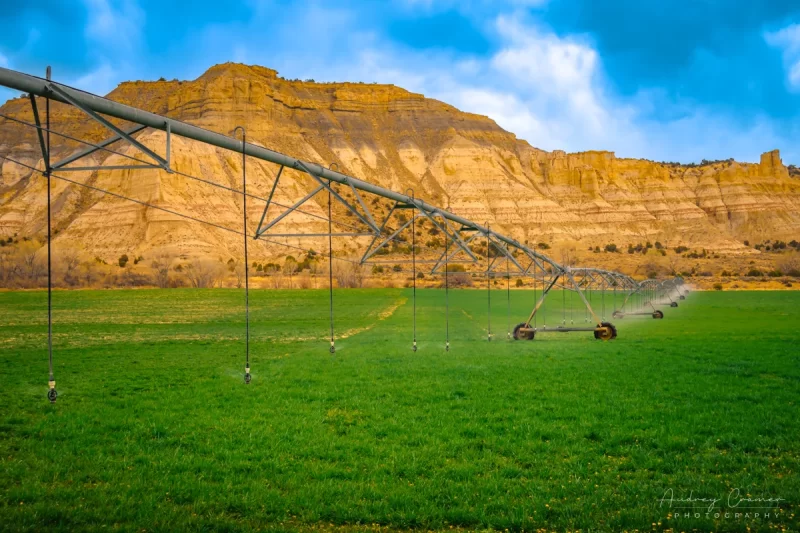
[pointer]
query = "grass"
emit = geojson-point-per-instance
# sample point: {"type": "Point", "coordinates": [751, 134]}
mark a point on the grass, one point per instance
{"type": "Point", "coordinates": [154, 428]}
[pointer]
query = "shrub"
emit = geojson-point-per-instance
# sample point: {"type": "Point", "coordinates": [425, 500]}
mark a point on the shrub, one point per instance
{"type": "Point", "coordinates": [459, 279]}
{"type": "Point", "coordinates": [420, 275]}
{"type": "Point", "coordinates": [718, 286]}
{"type": "Point", "coordinates": [775, 274]}
{"type": "Point", "coordinates": [681, 249]}
{"type": "Point", "coordinates": [611, 247]}
{"type": "Point", "coordinates": [543, 246]}
{"type": "Point", "coordinates": [123, 260]}
{"type": "Point", "coordinates": [397, 268]}
{"type": "Point", "coordinates": [754, 272]}
{"type": "Point", "coordinates": [518, 283]}
{"type": "Point", "coordinates": [377, 269]}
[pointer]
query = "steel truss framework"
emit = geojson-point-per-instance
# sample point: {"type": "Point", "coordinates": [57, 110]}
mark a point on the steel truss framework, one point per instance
{"type": "Point", "coordinates": [460, 234]}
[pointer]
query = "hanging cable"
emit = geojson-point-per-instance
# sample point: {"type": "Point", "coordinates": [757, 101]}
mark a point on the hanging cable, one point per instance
{"type": "Point", "coordinates": [247, 375]}
{"type": "Point", "coordinates": [330, 260]}
{"type": "Point", "coordinates": [571, 307]}
{"type": "Point", "coordinates": [508, 296]}
{"type": "Point", "coordinates": [52, 394]}
{"type": "Point", "coordinates": [603, 299]}
{"type": "Point", "coordinates": [414, 264]}
{"type": "Point", "coordinates": [182, 174]}
{"type": "Point", "coordinates": [159, 208]}
{"type": "Point", "coordinates": [535, 299]}
{"type": "Point", "coordinates": [544, 303]}
{"type": "Point", "coordinates": [488, 287]}
{"type": "Point", "coordinates": [446, 289]}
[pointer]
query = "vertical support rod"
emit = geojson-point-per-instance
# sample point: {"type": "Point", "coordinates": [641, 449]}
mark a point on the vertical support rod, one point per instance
{"type": "Point", "coordinates": [51, 394]}
{"type": "Point", "coordinates": [446, 289]}
{"type": "Point", "coordinates": [414, 263]}
{"type": "Point", "coordinates": [247, 375]}
{"type": "Point", "coordinates": [330, 261]}
{"type": "Point", "coordinates": [508, 298]}
{"type": "Point", "coordinates": [488, 287]}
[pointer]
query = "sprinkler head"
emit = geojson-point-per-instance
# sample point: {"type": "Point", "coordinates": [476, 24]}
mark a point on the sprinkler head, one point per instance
{"type": "Point", "coordinates": [52, 395]}
{"type": "Point", "coordinates": [447, 347]}
{"type": "Point", "coordinates": [414, 348]}
{"type": "Point", "coordinates": [332, 348]}
{"type": "Point", "coordinates": [247, 376]}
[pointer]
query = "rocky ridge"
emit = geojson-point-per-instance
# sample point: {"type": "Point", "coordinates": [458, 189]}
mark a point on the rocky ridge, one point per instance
{"type": "Point", "coordinates": [385, 135]}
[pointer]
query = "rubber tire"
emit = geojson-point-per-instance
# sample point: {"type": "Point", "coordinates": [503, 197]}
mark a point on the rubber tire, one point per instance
{"type": "Point", "coordinates": [673, 304]}
{"type": "Point", "coordinates": [618, 315]}
{"type": "Point", "coordinates": [610, 326]}
{"type": "Point", "coordinates": [658, 314]}
{"type": "Point", "coordinates": [520, 336]}
{"type": "Point", "coordinates": [682, 297]}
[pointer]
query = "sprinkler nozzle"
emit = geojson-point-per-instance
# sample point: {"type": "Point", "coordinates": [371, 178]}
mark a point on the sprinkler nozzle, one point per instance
{"type": "Point", "coordinates": [52, 395]}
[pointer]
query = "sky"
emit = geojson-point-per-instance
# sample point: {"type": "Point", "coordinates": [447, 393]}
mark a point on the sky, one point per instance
{"type": "Point", "coordinates": [667, 80]}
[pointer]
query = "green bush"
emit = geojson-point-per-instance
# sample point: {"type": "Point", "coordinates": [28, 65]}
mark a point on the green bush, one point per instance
{"type": "Point", "coordinates": [754, 272]}
{"type": "Point", "coordinates": [718, 286]}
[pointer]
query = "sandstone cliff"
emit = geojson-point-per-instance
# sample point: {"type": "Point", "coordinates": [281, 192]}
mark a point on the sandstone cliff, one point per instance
{"type": "Point", "coordinates": [381, 134]}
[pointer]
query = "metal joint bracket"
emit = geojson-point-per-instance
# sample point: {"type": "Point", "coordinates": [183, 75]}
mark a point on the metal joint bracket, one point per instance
{"type": "Point", "coordinates": [160, 162]}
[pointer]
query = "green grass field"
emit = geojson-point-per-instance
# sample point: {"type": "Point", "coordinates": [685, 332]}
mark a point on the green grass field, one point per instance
{"type": "Point", "coordinates": [154, 428]}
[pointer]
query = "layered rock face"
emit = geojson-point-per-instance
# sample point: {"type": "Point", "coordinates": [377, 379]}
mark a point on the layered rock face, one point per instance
{"type": "Point", "coordinates": [382, 134]}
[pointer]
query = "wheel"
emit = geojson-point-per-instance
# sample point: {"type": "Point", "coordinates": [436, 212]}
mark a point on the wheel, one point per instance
{"type": "Point", "coordinates": [673, 304]}
{"type": "Point", "coordinates": [605, 332]}
{"type": "Point", "coordinates": [523, 335]}
{"type": "Point", "coordinates": [658, 314]}
{"type": "Point", "coordinates": [617, 314]}
{"type": "Point", "coordinates": [682, 297]}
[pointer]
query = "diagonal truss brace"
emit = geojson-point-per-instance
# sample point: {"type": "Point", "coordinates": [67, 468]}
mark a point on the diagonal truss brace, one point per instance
{"type": "Point", "coordinates": [263, 229]}
{"type": "Point", "coordinates": [452, 254]}
{"type": "Point", "coordinates": [369, 222]}
{"type": "Point", "coordinates": [92, 149]}
{"type": "Point", "coordinates": [42, 144]}
{"type": "Point", "coordinates": [369, 253]}
{"type": "Point", "coordinates": [160, 162]}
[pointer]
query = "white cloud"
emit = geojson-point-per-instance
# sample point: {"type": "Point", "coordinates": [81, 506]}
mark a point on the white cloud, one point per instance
{"type": "Point", "coordinates": [552, 91]}
{"type": "Point", "coordinates": [116, 26]}
{"type": "Point", "coordinates": [788, 40]}
{"type": "Point", "coordinates": [100, 81]}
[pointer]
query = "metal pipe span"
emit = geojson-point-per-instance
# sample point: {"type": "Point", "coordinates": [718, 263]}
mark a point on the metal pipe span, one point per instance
{"type": "Point", "coordinates": [39, 87]}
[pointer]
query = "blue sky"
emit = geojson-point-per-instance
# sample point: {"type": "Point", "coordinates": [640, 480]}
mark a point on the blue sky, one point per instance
{"type": "Point", "coordinates": [675, 81]}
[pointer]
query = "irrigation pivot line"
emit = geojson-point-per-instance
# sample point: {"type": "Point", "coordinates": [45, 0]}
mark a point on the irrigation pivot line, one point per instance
{"type": "Point", "coordinates": [457, 230]}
